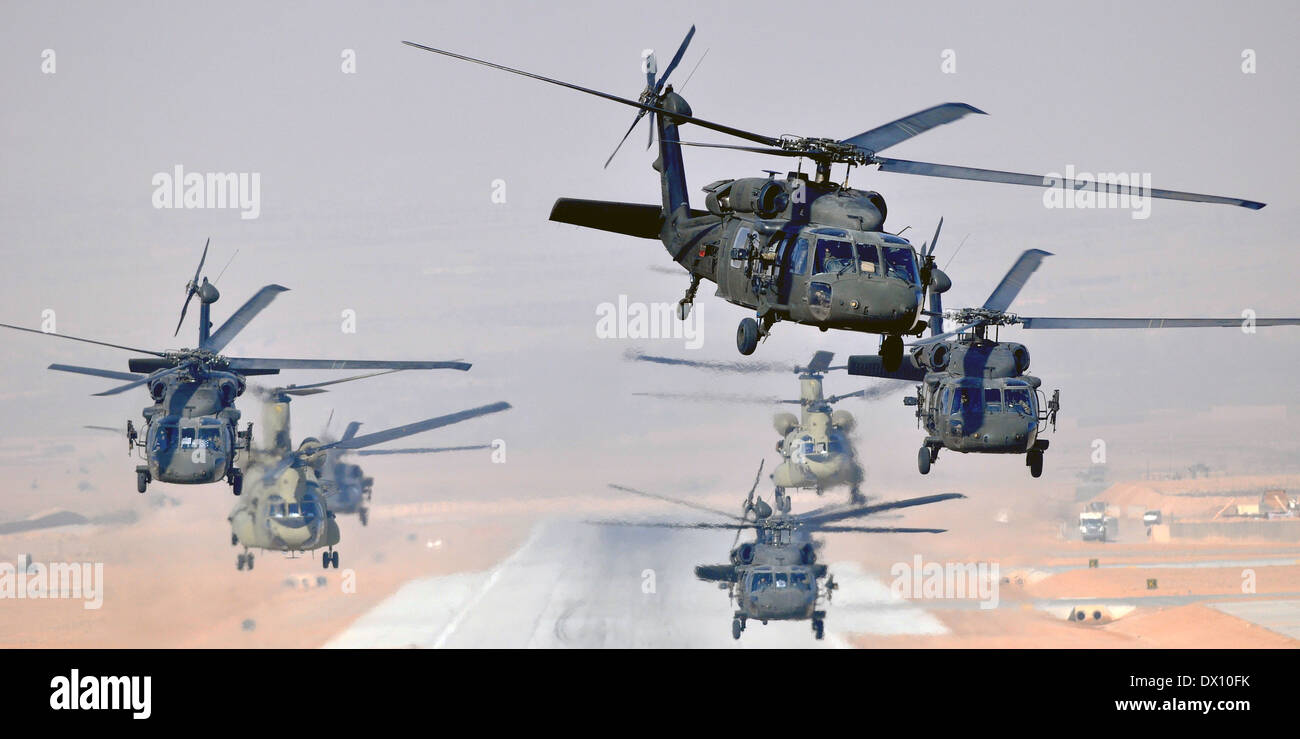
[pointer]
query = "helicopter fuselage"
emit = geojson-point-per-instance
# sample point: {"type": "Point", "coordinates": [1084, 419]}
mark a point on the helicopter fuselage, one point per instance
{"type": "Point", "coordinates": [190, 433]}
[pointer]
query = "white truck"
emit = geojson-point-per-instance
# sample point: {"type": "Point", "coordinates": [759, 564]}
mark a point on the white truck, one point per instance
{"type": "Point", "coordinates": [1096, 525]}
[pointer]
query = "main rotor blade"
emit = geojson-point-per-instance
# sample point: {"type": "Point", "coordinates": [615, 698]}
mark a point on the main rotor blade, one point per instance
{"type": "Point", "coordinates": [240, 318]}
{"type": "Point", "coordinates": [351, 430]}
{"type": "Point", "coordinates": [868, 393]}
{"type": "Point", "coordinates": [423, 450]}
{"type": "Point", "coordinates": [904, 166]}
{"type": "Point", "coordinates": [721, 398]}
{"type": "Point", "coordinates": [677, 59]}
{"type": "Point", "coordinates": [839, 513]}
{"type": "Point", "coordinates": [86, 341]}
{"type": "Point", "coordinates": [754, 149]}
{"type": "Point", "coordinates": [103, 428]}
{"type": "Point", "coordinates": [193, 287]}
{"type": "Point", "coordinates": [344, 379]}
{"type": "Point", "coordinates": [876, 530]}
{"type": "Point", "coordinates": [253, 363]}
{"type": "Point", "coordinates": [883, 137]}
{"type": "Point", "coordinates": [668, 525]}
{"type": "Point", "coordinates": [135, 384]}
{"type": "Point", "coordinates": [729, 130]}
{"type": "Point", "coordinates": [741, 367]}
{"type": "Point", "coordinates": [821, 362]}
{"type": "Point", "coordinates": [937, 338]}
{"type": "Point", "coordinates": [379, 437]}
{"type": "Point", "coordinates": [1007, 290]}
{"type": "Point", "coordinates": [1140, 323]}
{"type": "Point", "coordinates": [94, 372]}
{"type": "Point", "coordinates": [678, 501]}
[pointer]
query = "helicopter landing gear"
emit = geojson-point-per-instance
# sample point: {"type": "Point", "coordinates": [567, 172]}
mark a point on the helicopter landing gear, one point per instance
{"type": "Point", "coordinates": [234, 540]}
{"type": "Point", "coordinates": [245, 560]}
{"type": "Point", "coordinates": [142, 479]}
{"type": "Point", "coordinates": [236, 480]}
{"type": "Point", "coordinates": [363, 514]}
{"type": "Point", "coordinates": [737, 626]}
{"type": "Point", "coordinates": [782, 501]}
{"type": "Point", "coordinates": [747, 336]}
{"type": "Point", "coordinates": [329, 559]}
{"type": "Point", "coordinates": [819, 628]}
{"type": "Point", "coordinates": [856, 496]}
{"type": "Point", "coordinates": [1034, 459]}
{"type": "Point", "coordinates": [688, 300]}
{"type": "Point", "coordinates": [891, 353]}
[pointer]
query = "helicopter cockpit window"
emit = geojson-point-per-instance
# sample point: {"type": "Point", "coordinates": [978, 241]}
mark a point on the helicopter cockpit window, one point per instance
{"type": "Point", "coordinates": [781, 580]}
{"type": "Point", "coordinates": [992, 400]}
{"type": "Point", "coordinates": [760, 581]}
{"type": "Point", "coordinates": [833, 256]}
{"type": "Point", "coordinates": [799, 580]}
{"type": "Point", "coordinates": [1019, 400]}
{"type": "Point", "coordinates": [799, 257]}
{"type": "Point", "coordinates": [164, 437]}
{"type": "Point", "coordinates": [868, 259]}
{"type": "Point", "coordinates": [209, 437]}
{"type": "Point", "coordinates": [900, 262]}
{"type": "Point", "coordinates": [966, 399]}
{"type": "Point", "coordinates": [187, 438]}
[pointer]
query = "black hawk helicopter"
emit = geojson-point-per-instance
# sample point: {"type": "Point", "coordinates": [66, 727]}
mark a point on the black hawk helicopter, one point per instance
{"type": "Point", "coordinates": [776, 577]}
{"type": "Point", "coordinates": [975, 395]}
{"type": "Point", "coordinates": [191, 435]}
{"type": "Point", "coordinates": [351, 488]}
{"type": "Point", "coordinates": [795, 249]}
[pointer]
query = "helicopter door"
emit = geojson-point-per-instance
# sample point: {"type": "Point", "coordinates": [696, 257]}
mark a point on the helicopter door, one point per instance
{"type": "Point", "coordinates": [738, 282]}
{"type": "Point", "coordinates": [794, 279]}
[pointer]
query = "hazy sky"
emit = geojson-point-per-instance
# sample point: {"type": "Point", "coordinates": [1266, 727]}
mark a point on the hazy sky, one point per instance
{"type": "Point", "coordinates": [376, 196]}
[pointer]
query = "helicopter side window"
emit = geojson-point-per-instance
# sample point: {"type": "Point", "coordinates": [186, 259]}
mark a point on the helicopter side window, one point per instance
{"type": "Point", "coordinates": [1019, 400]}
{"type": "Point", "coordinates": [900, 262]}
{"type": "Point", "coordinates": [993, 400]}
{"type": "Point", "coordinates": [868, 259]}
{"type": "Point", "coordinates": [833, 256]}
{"type": "Point", "coordinates": [760, 581]}
{"type": "Point", "coordinates": [799, 257]}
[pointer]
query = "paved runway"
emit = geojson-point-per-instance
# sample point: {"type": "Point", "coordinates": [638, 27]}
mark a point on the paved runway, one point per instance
{"type": "Point", "coordinates": [576, 585]}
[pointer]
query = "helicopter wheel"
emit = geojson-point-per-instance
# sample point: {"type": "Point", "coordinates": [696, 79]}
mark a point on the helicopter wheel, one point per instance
{"type": "Point", "coordinates": [141, 481]}
{"type": "Point", "coordinates": [234, 540]}
{"type": "Point", "coordinates": [923, 460]}
{"type": "Point", "coordinates": [736, 628]}
{"type": "Point", "coordinates": [819, 628]}
{"type": "Point", "coordinates": [250, 560]}
{"type": "Point", "coordinates": [891, 353]}
{"type": "Point", "coordinates": [325, 560]}
{"type": "Point", "coordinates": [239, 563]}
{"type": "Point", "coordinates": [364, 515]}
{"type": "Point", "coordinates": [684, 309]}
{"type": "Point", "coordinates": [1035, 461]}
{"type": "Point", "coordinates": [334, 560]}
{"type": "Point", "coordinates": [236, 481]}
{"type": "Point", "coordinates": [747, 336]}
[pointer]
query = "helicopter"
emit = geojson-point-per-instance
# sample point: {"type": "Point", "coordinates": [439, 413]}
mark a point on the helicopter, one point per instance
{"type": "Point", "coordinates": [816, 449]}
{"type": "Point", "coordinates": [352, 487]}
{"type": "Point", "coordinates": [798, 249]}
{"type": "Point", "coordinates": [776, 577]}
{"type": "Point", "coordinates": [287, 507]}
{"type": "Point", "coordinates": [975, 395]}
{"type": "Point", "coordinates": [191, 433]}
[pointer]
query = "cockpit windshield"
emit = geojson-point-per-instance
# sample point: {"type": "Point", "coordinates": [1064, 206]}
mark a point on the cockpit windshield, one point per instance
{"type": "Point", "coordinates": [900, 262]}
{"type": "Point", "coordinates": [760, 581]}
{"type": "Point", "coordinates": [164, 437]}
{"type": "Point", "coordinates": [833, 256]}
{"type": "Point", "coordinates": [1019, 400]}
{"type": "Point", "coordinates": [204, 437]}
{"type": "Point", "coordinates": [868, 259]}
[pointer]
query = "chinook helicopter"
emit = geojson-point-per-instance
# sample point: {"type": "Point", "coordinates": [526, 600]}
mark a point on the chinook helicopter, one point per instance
{"type": "Point", "coordinates": [803, 250]}
{"type": "Point", "coordinates": [190, 435]}
{"type": "Point", "coordinates": [776, 577]}
{"type": "Point", "coordinates": [975, 395]}
{"type": "Point", "coordinates": [287, 507]}
{"type": "Point", "coordinates": [816, 449]}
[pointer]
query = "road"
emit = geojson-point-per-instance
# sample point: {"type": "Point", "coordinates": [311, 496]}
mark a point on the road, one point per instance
{"type": "Point", "coordinates": [573, 584]}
